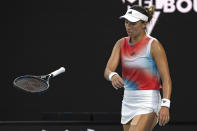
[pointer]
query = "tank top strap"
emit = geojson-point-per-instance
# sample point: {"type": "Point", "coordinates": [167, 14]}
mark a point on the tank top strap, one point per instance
{"type": "Point", "coordinates": [124, 41]}
{"type": "Point", "coordinates": [149, 45]}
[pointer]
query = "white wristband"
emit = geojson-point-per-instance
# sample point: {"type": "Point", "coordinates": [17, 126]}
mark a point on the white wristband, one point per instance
{"type": "Point", "coordinates": [112, 74]}
{"type": "Point", "coordinates": [165, 102]}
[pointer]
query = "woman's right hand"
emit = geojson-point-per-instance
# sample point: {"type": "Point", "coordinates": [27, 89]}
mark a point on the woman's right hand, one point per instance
{"type": "Point", "coordinates": [117, 81]}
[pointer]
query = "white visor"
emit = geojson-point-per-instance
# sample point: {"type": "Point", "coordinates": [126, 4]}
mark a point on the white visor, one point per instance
{"type": "Point", "coordinates": [134, 16]}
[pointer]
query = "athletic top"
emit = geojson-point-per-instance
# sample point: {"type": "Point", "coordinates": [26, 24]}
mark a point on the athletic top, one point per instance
{"type": "Point", "coordinates": [139, 70]}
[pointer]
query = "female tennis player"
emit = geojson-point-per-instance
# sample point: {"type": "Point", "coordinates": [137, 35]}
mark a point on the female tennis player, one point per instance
{"type": "Point", "coordinates": [144, 64]}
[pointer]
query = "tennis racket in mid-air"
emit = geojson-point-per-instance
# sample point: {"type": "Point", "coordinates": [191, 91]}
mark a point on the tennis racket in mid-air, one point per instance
{"type": "Point", "coordinates": [36, 84]}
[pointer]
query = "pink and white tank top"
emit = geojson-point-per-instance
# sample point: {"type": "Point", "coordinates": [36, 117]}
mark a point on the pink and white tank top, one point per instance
{"type": "Point", "coordinates": [139, 70]}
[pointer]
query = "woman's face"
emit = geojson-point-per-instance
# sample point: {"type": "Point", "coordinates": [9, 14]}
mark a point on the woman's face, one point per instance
{"type": "Point", "coordinates": [134, 28]}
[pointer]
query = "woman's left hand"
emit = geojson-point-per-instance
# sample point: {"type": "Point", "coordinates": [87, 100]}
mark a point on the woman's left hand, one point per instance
{"type": "Point", "coordinates": [164, 116]}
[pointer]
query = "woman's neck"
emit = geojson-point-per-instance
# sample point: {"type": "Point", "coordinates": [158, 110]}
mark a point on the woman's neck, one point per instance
{"type": "Point", "coordinates": [138, 38]}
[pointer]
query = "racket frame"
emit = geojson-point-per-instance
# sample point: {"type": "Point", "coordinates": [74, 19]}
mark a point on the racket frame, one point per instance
{"type": "Point", "coordinates": [44, 78]}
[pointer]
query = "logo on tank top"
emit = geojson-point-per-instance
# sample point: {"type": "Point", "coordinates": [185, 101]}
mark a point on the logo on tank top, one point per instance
{"type": "Point", "coordinates": [165, 6]}
{"type": "Point", "coordinates": [133, 53]}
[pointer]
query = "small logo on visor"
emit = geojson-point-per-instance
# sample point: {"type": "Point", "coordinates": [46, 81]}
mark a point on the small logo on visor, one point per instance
{"type": "Point", "coordinates": [130, 12]}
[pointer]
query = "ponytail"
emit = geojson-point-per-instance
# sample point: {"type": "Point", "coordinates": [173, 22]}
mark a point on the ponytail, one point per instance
{"type": "Point", "coordinates": [150, 12]}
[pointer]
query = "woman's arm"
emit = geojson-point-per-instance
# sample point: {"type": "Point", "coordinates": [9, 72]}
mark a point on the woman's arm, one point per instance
{"type": "Point", "coordinates": [159, 56]}
{"type": "Point", "coordinates": [112, 64]}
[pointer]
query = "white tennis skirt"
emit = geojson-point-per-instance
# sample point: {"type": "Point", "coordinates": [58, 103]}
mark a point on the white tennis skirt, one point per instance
{"type": "Point", "coordinates": [136, 102]}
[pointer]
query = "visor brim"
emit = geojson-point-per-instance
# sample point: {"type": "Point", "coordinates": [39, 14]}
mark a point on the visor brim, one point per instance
{"type": "Point", "coordinates": [129, 18]}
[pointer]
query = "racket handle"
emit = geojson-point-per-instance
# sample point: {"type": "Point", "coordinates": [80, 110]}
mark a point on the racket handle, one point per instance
{"type": "Point", "coordinates": [57, 72]}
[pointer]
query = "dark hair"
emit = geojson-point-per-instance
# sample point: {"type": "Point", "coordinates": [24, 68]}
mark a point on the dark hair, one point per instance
{"type": "Point", "coordinates": [146, 11]}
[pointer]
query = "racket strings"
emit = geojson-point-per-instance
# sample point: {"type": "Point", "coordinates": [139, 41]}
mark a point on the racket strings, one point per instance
{"type": "Point", "coordinates": [31, 84]}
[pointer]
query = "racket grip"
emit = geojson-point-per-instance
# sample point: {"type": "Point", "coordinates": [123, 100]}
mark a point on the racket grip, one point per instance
{"type": "Point", "coordinates": [57, 72]}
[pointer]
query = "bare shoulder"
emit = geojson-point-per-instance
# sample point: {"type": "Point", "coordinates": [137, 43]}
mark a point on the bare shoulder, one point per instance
{"type": "Point", "coordinates": [156, 48]}
{"type": "Point", "coordinates": [119, 42]}
{"type": "Point", "coordinates": [156, 44]}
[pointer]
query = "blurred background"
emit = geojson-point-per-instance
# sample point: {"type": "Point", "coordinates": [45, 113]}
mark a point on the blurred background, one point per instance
{"type": "Point", "coordinates": [39, 36]}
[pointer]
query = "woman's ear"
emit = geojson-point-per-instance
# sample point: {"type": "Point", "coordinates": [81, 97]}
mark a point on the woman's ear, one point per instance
{"type": "Point", "coordinates": [144, 24]}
